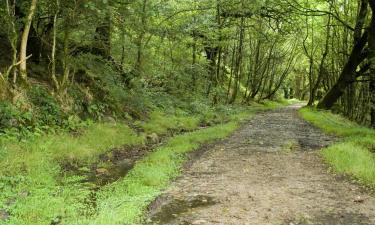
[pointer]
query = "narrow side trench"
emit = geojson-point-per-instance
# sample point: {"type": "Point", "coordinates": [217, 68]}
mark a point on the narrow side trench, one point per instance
{"type": "Point", "coordinates": [115, 164]}
{"type": "Point", "coordinates": [111, 166]}
{"type": "Point", "coordinates": [118, 162]}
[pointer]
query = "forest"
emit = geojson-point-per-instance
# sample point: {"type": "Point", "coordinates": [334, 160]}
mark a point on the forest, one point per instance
{"type": "Point", "coordinates": [104, 103]}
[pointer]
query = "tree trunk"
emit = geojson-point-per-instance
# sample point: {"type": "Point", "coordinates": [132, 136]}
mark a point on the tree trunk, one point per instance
{"type": "Point", "coordinates": [13, 39]}
{"type": "Point", "coordinates": [103, 36]}
{"type": "Point", "coordinates": [139, 42]}
{"type": "Point", "coordinates": [321, 66]}
{"type": "Point", "coordinates": [347, 75]}
{"type": "Point", "coordinates": [237, 69]}
{"type": "Point", "coordinates": [371, 46]}
{"type": "Point", "coordinates": [24, 40]}
{"type": "Point", "coordinates": [53, 53]}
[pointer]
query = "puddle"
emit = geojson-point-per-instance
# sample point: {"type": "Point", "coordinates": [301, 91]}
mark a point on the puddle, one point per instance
{"type": "Point", "coordinates": [111, 167]}
{"type": "Point", "coordinates": [334, 218]}
{"type": "Point", "coordinates": [171, 209]}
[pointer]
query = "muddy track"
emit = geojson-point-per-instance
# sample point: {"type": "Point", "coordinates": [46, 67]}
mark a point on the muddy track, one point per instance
{"type": "Point", "coordinates": [268, 172]}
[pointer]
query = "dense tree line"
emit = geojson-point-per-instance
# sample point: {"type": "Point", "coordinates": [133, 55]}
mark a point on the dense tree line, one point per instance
{"type": "Point", "coordinates": [105, 54]}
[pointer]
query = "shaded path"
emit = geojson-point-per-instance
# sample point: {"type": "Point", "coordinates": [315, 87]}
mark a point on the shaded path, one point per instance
{"type": "Point", "coordinates": [268, 172]}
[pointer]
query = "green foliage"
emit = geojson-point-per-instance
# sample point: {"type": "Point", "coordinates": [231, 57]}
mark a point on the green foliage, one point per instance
{"type": "Point", "coordinates": [10, 116]}
{"type": "Point", "coordinates": [47, 110]}
{"type": "Point", "coordinates": [353, 155]}
{"type": "Point", "coordinates": [16, 124]}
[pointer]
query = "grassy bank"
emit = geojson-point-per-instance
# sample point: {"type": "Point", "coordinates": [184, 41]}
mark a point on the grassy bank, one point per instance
{"type": "Point", "coordinates": [123, 202]}
{"type": "Point", "coordinates": [36, 189]}
{"type": "Point", "coordinates": [354, 154]}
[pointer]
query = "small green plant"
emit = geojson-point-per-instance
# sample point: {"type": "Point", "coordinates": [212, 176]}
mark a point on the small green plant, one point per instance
{"type": "Point", "coordinates": [47, 110]}
{"type": "Point", "coordinates": [290, 146]}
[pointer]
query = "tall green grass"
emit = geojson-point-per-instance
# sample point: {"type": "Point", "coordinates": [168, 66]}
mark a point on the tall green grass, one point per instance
{"type": "Point", "coordinates": [32, 186]}
{"type": "Point", "coordinates": [353, 155]}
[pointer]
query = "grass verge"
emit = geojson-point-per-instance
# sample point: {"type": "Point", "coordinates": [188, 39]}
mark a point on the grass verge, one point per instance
{"type": "Point", "coordinates": [35, 190]}
{"type": "Point", "coordinates": [32, 187]}
{"type": "Point", "coordinates": [353, 155]}
{"type": "Point", "coordinates": [123, 202]}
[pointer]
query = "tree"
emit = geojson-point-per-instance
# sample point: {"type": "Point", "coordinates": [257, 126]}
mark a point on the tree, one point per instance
{"type": "Point", "coordinates": [25, 38]}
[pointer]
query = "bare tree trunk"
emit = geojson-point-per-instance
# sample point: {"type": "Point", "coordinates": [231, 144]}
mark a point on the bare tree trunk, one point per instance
{"type": "Point", "coordinates": [139, 42]}
{"type": "Point", "coordinates": [321, 66]}
{"type": "Point", "coordinates": [231, 70]}
{"type": "Point", "coordinates": [237, 68]}
{"type": "Point", "coordinates": [24, 40]}
{"type": "Point", "coordinates": [53, 53]}
{"type": "Point", "coordinates": [283, 75]}
{"type": "Point", "coordinates": [13, 38]}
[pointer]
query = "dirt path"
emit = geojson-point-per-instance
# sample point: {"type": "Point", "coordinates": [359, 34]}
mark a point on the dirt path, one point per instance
{"type": "Point", "coordinates": [268, 172]}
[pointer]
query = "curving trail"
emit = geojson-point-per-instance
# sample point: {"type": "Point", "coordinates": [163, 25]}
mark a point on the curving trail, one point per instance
{"type": "Point", "coordinates": [268, 173]}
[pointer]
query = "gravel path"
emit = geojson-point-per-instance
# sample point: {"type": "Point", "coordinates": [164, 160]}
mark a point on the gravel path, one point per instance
{"type": "Point", "coordinates": [268, 172]}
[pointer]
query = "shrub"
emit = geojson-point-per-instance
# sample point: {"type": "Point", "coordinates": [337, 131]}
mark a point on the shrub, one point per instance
{"type": "Point", "coordinates": [48, 111]}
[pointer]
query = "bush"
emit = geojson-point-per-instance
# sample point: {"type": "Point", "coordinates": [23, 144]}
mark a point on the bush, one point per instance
{"type": "Point", "coordinates": [48, 111]}
{"type": "Point", "coordinates": [10, 116]}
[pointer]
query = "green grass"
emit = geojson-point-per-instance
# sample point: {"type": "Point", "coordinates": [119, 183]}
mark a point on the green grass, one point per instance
{"type": "Point", "coordinates": [34, 189]}
{"type": "Point", "coordinates": [97, 139]}
{"type": "Point", "coordinates": [124, 202]}
{"type": "Point", "coordinates": [334, 124]}
{"type": "Point", "coordinates": [160, 123]}
{"type": "Point", "coordinates": [30, 172]}
{"type": "Point", "coordinates": [352, 159]}
{"type": "Point", "coordinates": [353, 155]}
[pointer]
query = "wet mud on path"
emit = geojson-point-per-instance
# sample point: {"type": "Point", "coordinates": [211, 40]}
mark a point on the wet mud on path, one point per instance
{"type": "Point", "coordinates": [268, 173]}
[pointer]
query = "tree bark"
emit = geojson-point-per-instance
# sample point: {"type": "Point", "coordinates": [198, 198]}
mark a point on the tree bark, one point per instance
{"type": "Point", "coordinates": [356, 57]}
{"type": "Point", "coordinates": [371, 46]}
{"type": "Point", "coordinates": [346, 76]}
{"type": "Point", "coordinates": [24, 40]}
{"type": "Point", "coordinates": [238, 64]}
{"type": "Point", "coordinates": [139, 42]}
{"type": "Point", "coordinates": [13, 39]}
{"type": "Point", "coordinates": [53, 53]}
{"type": "Point", "coordinates": [321, 66]}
